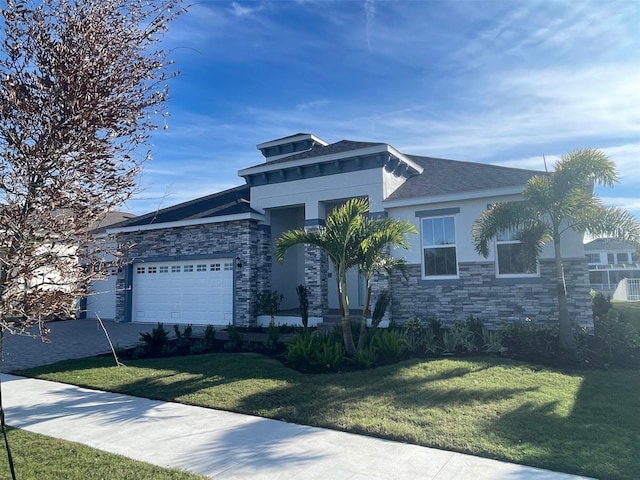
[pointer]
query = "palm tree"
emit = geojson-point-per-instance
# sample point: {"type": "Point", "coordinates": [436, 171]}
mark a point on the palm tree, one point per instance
{"type": "Point", "coordinates": [373, 258]}
{"type": "Point", "coordinates": [340, 239]}
{"type": "Point", "coordinates": [553, 204]}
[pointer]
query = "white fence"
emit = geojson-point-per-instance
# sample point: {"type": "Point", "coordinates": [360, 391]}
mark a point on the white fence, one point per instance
{"type": "Point", "coordinates": [628, 290]}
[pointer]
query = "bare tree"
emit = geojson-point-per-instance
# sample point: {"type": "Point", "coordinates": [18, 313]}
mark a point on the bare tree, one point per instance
{"type": "Point", "coordinates": [82, 83]}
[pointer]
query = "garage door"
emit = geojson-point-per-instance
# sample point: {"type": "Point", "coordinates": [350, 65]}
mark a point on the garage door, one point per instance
{"type": "Point", "coordinates": [197, 292]}
{"type": "Point", "coordinates": [102, 299]}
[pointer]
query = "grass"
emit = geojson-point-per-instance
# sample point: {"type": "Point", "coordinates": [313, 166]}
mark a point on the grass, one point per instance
{"type": "Point", "coordinates": [45, 458]}
{"type": "Point", "coordinates": [582, 422]}
{"type": "Point", "coordinates": [630, 311]}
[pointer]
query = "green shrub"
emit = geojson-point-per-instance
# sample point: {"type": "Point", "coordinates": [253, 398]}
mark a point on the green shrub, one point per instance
{"type": "Point", "coordinates": [269, 302]}
{"type": "Point", "coordinates": [492, 341]}
{"type": "Point", "coordinates": [529, 341]}
{"type": "Point", "coordinates": [617, 341]}
{"type": "Point", "coordinates": [209, 337]}
{"type": "Point", "coordinates": [300, 350]}
{"type": "Point", "coordinates": [273, 336]}
{"type": "Point", "coordinates": [364, 358]}
{"type": "Point", "coordinates": [388, 346]}
{"type": "Point", "coordinates": [234, 339]}
{"type": "Point", "coordinates": [307, 351]}
{"type": "Point", "coordinates": [303, 302]}
{"type": "Point", "coordinates": [412, 334]}
{"type": "Point", "coordinates": [599, 304]}
{"type": "Point", "coordinates": [381, 305]}
{"type": "Point", "coordinates": [328, 355]}
{"type": "Point", "coordinates": [432, 344]}
{"type": "Point", "coordinates": [156, 340]}
{"type": "Point", "coordinates": [476, 327]}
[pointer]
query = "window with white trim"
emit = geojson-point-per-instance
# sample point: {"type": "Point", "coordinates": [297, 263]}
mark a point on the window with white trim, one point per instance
{"type": "Point", "coordinates": [187, 268]}
{"type": "Point", "coordinates": [164, 269]}
{"type": "Point", "coordinates": [439, 250]}
{"type": "Point", "coordinates": [140, 270]}
{"type": "Point", "coordinates": [201, 268]}
{"type": "Point", "coordinates": [593, 257]}
{"type": "Point", "coordinates": [510, 256]}
{"type": "Point", "coordinates": [175, 268]}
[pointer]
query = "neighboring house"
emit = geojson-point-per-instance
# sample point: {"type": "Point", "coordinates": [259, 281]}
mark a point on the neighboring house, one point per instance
{"type": "Point", "coordinates": [610, 261]}
{"type": "Point", "coordinates": [204, 261]}
{"type": "Point", "coordinates": [101, 301]}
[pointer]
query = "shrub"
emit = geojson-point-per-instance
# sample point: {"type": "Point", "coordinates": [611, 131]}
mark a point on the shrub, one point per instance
{"type": "Point", "coordinates": [209, 337]}
{"type": "Point", "coordinates": [156, 340]}
{"type": "Point", "coordinates": [300, 350]}
{"type": "Point", "coordinates": [269, 302]}
{"type": "Point", "coordinates": [273, 336]}
{"type": "Point", "coordinates": [234, 339]}
{"type": "Point", "coordinates": [617, 341]}
{"type": "Point", "coordinates": [527, 340]}
{"type": "Point", "coordinates": [381, 305]}
{"type": "Point", "coordinates": [388, 346]}
{"type": "Point", "coordinates": [307, 351]}
{"type": "Point", "coordinates": [303, 303]}
{"type": "Point", "coordinates": [492, 341]}
{"type": "Point", "coordinates": [599, 304]}
{"type": "Point", "coordinates": [364, 358]}
{"type": "Point", "coordinates": [329, 355]}
{"type": "Point", "coordinates": [476, 327]}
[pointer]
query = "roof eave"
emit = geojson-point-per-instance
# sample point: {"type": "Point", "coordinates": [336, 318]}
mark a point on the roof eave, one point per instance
{"type": "Point", "coordinates": [187, 223]}
{"type": "Point", "coordinates": [332, 157]}
{"type": "Point", "coordinates": [456, 197]}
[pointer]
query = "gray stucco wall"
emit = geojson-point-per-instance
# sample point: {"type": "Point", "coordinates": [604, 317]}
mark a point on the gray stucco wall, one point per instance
{"type": "Point", "coordinates": [244, 239]}
{"type": "Point", "coordinates": [479, 293]}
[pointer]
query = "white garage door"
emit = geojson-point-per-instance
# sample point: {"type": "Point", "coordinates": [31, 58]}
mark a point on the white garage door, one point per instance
{"type": "Point", "coordinates": [102, 299]}
{"type": "Point", "coordinates": [198, 292]}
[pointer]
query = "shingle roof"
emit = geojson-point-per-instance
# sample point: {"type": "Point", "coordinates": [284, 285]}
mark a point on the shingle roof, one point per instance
{"type": "Point", "coordinates": [602, 244]}
{"type": "Point", "coordinates": [444, 177]}
{"type": "Point", "coordinates": [318, 151]}
{"type": "Point", "coordinates": [229, 202]}
{"type": "Point", "coordinates": [111, 218]}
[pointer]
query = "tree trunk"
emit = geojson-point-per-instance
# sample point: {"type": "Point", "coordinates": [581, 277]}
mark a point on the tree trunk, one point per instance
{"type": "Point", "coordinates": [362, 339]}
{"type": "Point", "coordinates": [3, 425]}
{"type": "Point", "coordinates": [347, 336]}
{"type": "Point", "coordinates": [567, 340]}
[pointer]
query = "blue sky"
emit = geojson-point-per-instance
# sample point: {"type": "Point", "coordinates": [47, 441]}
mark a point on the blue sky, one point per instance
{"type": "Point", "coordinates": [502, 82]}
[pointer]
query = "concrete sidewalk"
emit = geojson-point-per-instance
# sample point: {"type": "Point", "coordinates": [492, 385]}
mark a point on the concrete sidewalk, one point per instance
{"type": "Point", "coordinates": [226, 445]}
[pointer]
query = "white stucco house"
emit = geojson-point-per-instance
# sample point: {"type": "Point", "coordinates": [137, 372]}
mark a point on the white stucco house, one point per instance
{"type": "Point", "coordinates": [204, 261]}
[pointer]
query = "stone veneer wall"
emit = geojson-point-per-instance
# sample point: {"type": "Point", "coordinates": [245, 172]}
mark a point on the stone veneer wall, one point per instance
{"type": "Point", "coordinates": [494, 300]}
{"type": "Point", "coordinates": [316, 265]}
{"type": "Point", "coordinates": [244, 239]}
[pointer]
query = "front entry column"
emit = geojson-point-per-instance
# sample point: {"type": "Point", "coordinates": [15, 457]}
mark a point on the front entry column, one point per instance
{"type": "Point", "coordinates": [315, 274]}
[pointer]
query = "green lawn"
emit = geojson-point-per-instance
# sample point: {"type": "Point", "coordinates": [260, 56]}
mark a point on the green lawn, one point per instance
{"type": "Point", "coordinates": [38, 457]}
{"type": "Point", "coordinates": [583, 422]}
{"type": "Point", "coordinates": [630, 311]}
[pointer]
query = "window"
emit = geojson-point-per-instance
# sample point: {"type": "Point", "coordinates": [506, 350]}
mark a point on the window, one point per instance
{"type": "Point", "coordinates": [175, 268]}
{"type": "Point", "coordinates": [152, 270]}
{"type": "Point", "coordinates": [439, 247]}
{"type": "Point", "coordinates": [215, 267]}
{"type": "Point", "coordinates": [188, 268]}
{"type": "Point", "coordinates": [201, 268]}
{"type": "Point", "coordinates": [593, 257]}
{"type": "Point", "coordinates": [623, 257]}
{"type": "Point", "coordinates": [164, 269]}
{"type": "Point", "coordinates": [510, 256]}
{"type": "Point", "coordinates": [140, 270]}
{"type": "Point", "coordinates": [610, 258]}
{"type": "Point", "coordinates": [228, 267]}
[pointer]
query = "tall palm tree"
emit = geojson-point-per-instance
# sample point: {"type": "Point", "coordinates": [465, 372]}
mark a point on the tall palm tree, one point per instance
{"type": "Point", "coordinates": [553, 204]}
{"type": "Point", "coordinates": [340, 239]}
{"type": "Point", "coordinates": [373, 258]}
